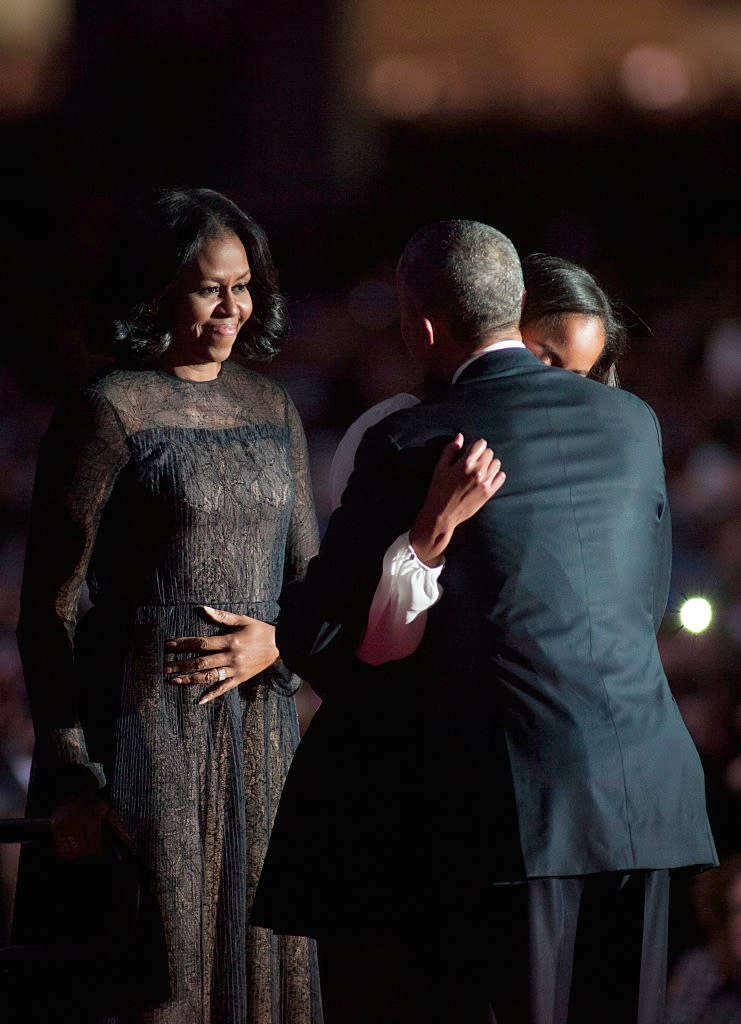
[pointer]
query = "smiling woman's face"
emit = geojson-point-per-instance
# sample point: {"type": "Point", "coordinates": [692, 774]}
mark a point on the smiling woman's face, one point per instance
{"type": "Point", "coordinates": [211, 302]}
{"type": "Point", "coordinates": [575, 344]}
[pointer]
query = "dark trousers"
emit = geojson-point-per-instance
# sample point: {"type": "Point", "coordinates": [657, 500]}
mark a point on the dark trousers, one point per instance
{"type": "Point", "coordinates": [584, 950]}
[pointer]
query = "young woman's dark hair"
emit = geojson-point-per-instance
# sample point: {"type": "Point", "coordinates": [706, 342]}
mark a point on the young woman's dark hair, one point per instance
{"type": "Point", "coordinates": [161, 237]}
{"type": "Point", "coordinates": [556, 288]}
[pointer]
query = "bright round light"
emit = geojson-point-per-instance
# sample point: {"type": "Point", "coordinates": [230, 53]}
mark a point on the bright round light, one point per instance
{"type": "Point", "coordinates": [696, 614]}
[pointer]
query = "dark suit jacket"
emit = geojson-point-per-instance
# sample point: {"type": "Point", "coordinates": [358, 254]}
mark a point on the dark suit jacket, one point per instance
{"type": "Point", "coordinates": [533, 733]}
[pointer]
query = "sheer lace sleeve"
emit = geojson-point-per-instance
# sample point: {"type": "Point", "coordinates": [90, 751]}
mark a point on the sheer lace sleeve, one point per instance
{"type": "Point", "coordinates": [302, 542]}
{"type": "Point", "coordinates": [80, 458]}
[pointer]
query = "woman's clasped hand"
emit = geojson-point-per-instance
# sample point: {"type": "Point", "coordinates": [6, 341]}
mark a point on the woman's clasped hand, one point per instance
{"type": "Point", "coordinates": [224, 661]}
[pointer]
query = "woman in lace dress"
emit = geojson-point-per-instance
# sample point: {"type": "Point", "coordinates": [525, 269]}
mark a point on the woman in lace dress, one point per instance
{"type": "Point", "coordinates": [177, 485]}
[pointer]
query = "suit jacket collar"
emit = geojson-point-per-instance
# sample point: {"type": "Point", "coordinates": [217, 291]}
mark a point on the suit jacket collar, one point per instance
{"type": "Point", "coordinates": [499, 364]}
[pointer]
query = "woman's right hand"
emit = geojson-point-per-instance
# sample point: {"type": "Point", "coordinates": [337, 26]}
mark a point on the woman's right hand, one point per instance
{"type": "Point", "coordinates": [77, 824]}
{"type": "Point", "coordinates": [461, 484]}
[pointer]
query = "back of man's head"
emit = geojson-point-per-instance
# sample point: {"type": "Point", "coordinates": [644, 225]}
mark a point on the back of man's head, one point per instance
{"type": "Point", "coordinates": [466, 273]}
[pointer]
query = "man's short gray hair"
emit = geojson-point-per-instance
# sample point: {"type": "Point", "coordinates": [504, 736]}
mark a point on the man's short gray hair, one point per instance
{"type": "Point", "coordinates": [466, 272]}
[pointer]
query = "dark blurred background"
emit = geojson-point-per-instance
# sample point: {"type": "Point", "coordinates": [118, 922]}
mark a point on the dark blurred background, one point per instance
{"type": "Point", "coordinates": [606, 132]}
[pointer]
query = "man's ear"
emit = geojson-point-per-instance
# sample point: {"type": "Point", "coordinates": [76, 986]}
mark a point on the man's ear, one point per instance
{"type": "Point", "coordinates": [429, 333]}
{"type": "Point", "coordinates": [419, 337]}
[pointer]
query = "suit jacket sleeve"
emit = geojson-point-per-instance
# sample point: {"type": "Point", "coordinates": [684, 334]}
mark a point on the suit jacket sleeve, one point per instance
{"type": "Point", "coordinates": [663, 565]}
{"type": "Point", "coordinates": [323, 615]}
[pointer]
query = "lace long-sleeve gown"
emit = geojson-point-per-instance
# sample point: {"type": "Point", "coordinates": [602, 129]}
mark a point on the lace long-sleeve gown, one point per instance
{"type": "Point", "coordinates": [167, 495]}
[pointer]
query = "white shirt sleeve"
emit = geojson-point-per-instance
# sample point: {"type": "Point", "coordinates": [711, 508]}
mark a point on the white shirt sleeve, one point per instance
{"type": "Point", "coordinates": [398, 613]}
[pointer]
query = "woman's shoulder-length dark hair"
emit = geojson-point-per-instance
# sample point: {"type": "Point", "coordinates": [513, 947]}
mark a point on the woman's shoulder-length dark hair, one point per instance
{"type": "Point", "coordinates": [555, 287]}
{"type": "Point", "coordinates": [160, 238]}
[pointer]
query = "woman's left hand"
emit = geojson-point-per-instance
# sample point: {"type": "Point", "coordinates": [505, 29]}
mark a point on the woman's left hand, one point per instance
{"type": "Point", "coordinates": [226, 660]}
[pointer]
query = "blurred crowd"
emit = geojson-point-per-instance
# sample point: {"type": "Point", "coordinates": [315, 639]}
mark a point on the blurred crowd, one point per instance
{"type": "Point", "coordinates": [345, 354]}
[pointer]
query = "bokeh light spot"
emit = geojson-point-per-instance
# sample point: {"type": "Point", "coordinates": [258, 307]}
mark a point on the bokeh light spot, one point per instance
{"type": "Point", "coordinates": [408, 86]}
{"type": "Point", "coordinates": [696, 614]}
{"type": "Point", "coordinates": [655, 77]}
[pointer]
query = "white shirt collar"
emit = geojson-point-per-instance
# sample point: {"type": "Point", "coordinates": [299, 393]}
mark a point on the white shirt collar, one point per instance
{"type": "Point", "coordinates": [494, 347]}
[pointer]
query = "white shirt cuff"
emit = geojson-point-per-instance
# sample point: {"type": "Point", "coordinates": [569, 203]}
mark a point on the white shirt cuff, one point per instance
{"type": "Point", "coordinates": [398, 614]}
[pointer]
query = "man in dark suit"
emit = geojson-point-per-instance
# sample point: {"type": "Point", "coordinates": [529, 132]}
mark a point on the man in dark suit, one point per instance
{"type": "Point", "coordinates": [516, 792]}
